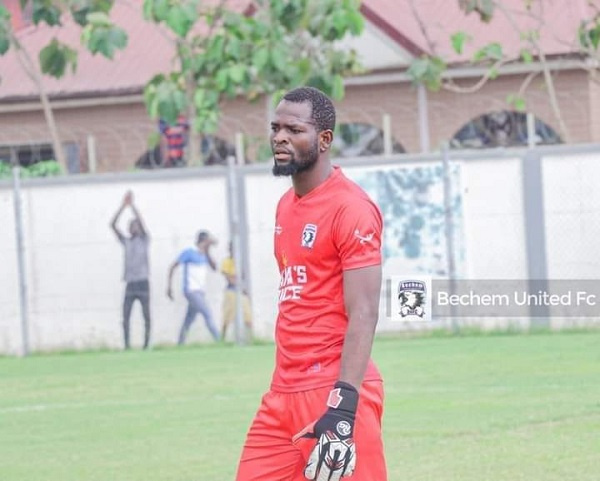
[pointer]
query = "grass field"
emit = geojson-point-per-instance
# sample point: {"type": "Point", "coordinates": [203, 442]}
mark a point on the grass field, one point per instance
{"type": "Point", "coordinates": [475, 408]}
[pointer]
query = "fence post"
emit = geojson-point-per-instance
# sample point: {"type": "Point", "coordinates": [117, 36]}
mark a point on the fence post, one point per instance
{"type": "Point", "coordinates": [535, 231]}
{"type": "Point", "coordinates": [531, 141]}
{"type": "Point", "coordinates": [20, 256]}
{"type": "Point", "coordinates": [234, 229]}
{"type": "Point", "coordinates": [449, 229]}
{"type": "Point", "coordinates": [91, 152]}
{"type": "Point", "coordinates": [388, 148]}
{"type": "Point", "coordinates": [423, 110]}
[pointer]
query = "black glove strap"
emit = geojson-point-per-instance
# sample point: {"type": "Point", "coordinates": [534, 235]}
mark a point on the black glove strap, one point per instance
{"type": "Point", "coordinates": [344, 397]}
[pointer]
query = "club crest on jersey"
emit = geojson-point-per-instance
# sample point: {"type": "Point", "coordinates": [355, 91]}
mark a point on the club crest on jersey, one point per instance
{"type": "Point", "coordinates": [309, 234]}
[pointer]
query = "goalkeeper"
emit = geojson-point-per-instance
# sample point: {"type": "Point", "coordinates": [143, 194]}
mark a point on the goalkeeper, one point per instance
{"type": "Point", "coordinates": [321, 418]}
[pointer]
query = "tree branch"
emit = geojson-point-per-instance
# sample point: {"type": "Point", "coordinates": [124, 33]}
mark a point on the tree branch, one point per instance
{"type": "Point", "coordinates": [30, 70]}
{"type": "Point", "coordinates": [451, 86]}
{"type": "Point", "coordinates": [545, 68]}
{"type": "Point", "coordinates": [421, 24]}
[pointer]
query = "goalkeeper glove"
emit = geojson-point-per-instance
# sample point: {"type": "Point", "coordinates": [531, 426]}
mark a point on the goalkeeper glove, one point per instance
{"type": "Point", "coordinates": [334, 455]}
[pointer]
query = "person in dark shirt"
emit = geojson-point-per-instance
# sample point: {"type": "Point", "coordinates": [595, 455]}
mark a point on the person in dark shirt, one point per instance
{"type": "Point", "coordinates": [136, 267]}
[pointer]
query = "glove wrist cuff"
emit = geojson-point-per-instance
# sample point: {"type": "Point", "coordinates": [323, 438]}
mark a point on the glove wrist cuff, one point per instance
{"type": "Point", "coordinates": [343, 396]}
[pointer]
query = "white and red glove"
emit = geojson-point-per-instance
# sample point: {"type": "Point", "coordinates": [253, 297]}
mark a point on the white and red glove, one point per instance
{"type": "Point", "coordinates": [334, 455]}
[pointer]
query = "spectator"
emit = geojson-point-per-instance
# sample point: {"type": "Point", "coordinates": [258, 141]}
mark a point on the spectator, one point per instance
{"type": "Point", "coordinates": [196, 262]}
{"type": "Point", "coordinates": [175, 139]}
{"type": "Point", "coordinates": [230, 297]}
{"type": "Point", "coordinates": [136, 267]}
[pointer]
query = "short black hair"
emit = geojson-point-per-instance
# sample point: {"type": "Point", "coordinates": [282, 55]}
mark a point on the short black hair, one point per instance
{"type": "Point", "coordinates": [202, 236]}
{"type": "Point", "coordinates": [323, 111]}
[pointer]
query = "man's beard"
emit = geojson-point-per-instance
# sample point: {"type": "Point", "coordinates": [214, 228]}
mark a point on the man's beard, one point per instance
{"type": "Point", "coordinates": [294, 166]}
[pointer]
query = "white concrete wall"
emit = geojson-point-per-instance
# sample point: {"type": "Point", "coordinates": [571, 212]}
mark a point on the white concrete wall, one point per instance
{"type": "Point", "coordinates": [74, 263]}
{"type": "Point", "coordinates": [494, 229]}
{"type": "Point", "coordinates": [9, 285]}
{"type": "Point", "coordinates": [572, 199]}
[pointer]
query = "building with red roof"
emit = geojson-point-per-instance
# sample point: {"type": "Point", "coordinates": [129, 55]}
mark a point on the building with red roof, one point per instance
{"type": "Point", "coordinates": [103, 123]}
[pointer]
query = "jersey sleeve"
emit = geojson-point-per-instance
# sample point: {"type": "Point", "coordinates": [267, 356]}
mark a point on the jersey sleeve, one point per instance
{"type": "Point", "coordinates": [357, 234]}
{"type": "Point", "coordinates": [184, 257]}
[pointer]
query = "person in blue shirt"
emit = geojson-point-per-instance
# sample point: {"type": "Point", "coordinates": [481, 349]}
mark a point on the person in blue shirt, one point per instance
{"type": "Point", "coordinates": [195, 261]}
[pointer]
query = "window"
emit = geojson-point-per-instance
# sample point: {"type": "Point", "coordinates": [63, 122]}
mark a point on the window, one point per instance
{"type": "Point", "coordinates": [502, 129]}
{"type": "Point", "coordinates": [359, 139]}
{"type": "Point", "coordinates": [214, 152]}
{"type": "Point", "coordinates": [26, 154]}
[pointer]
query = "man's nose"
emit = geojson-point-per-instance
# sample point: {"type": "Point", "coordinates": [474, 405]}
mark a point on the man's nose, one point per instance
{"type": "Point", "coordinates": [279, 137]}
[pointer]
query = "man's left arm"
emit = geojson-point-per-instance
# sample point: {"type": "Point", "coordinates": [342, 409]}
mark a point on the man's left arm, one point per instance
{"type": "Point", "coordinates": [358, 238]}
{"type": "Point", "coordinates": [334, 455]}
{"type": "Point", "coordinates": [361, 297]}
{"type": "Point", "coordinates": [138, 216]}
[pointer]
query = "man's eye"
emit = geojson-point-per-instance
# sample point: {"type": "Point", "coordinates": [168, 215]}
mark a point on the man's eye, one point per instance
{"type": "Point", "coordinates": [295, 131]}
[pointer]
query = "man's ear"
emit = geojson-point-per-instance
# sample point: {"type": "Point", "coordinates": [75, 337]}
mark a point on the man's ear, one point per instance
{"type": "Point", "coordinates": [325, 139]}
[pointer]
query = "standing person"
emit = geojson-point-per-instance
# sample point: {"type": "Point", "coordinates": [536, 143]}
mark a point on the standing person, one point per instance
{"type": "Point", "coordinates": [229, 307]}
{"type": "Point", "coordinates": [196, 262]}
{"type": "Point", "coordinates": [321, 418]}
{"type": "Point", "coordinates": [136, 267]}
{"type": "Point", "coordinates": [174, 141]}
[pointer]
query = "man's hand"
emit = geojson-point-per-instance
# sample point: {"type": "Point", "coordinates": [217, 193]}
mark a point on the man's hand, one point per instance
{"type": "Point", "coordinates": [334, 455]}
{"type": "Point", "coordinates": [128, 199]}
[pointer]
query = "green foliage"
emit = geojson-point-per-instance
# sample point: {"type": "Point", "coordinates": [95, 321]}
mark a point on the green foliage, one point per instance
{"type": "Point", "coordinates": [526, 55]}
{"type": "Point", "coordinates": [458, 41]}
{"type": "Point", "coordinates": [165, 97]}
{"type": "Point", "coordinates": [99, 34]}
{"type": "Point", "coordinates": [589, 34]}
{"type": "Point", "coordinates": [517, 102]}
{"type": "Point", "coordinates": [428, 71]}
{"type": "Point", "coordinates": [4, 30]}
{"type": "Point", "coordinates": [80, 9]}
{"type": "Point", "coordinates": [45, 12]}
{"type": "Point", "coordinates": [225, 53]}
{"type": "Point", "coordinates": [46, 168]}
{"type": "Point", "coordinates": [5, 170]}
{"type": "Point", "coordinates": [491, 51]}
{"type": "Point", "coordinates": [484, 8]}
{"type": "Point", "coordinates": [56, 57]}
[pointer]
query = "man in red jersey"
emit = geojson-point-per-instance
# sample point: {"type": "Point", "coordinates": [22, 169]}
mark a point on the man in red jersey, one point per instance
{"type": "Point", "coordinates": [321, 418]}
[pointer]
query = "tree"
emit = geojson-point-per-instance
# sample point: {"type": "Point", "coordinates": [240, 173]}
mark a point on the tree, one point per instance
{"type": "Point", "coordinates": [274, 45]}
{"type": "Point", "coordinates": [99, 36]}
{"type": "Point", "coordinates": [429, 69]}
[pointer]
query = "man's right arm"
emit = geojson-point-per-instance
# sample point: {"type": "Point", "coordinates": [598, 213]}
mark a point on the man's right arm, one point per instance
{"type": "Point", "coordinates": [170, 279]}
{"type": "Point", "coordinates": [126, 201]}
{"type": "Point", "coordinates": [115, 220]}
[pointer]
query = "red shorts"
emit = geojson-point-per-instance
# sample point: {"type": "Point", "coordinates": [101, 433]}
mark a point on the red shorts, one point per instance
{"type": "Point", "coordinates": [270, 455]}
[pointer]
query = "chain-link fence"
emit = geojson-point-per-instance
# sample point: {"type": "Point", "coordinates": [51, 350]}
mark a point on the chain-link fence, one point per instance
{"type": "Point", "coordinates": [377, 116]}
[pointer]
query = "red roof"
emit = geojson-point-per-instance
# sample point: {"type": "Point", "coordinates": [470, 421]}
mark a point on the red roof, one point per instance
{"type": "Point", "coordinates": [557, 21]}
{"type": "Point", "coordinates": [150, 50]}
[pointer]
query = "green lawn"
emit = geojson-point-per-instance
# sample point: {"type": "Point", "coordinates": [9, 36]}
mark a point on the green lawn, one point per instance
{"type": "Point", "coordinates": [479, 408]}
